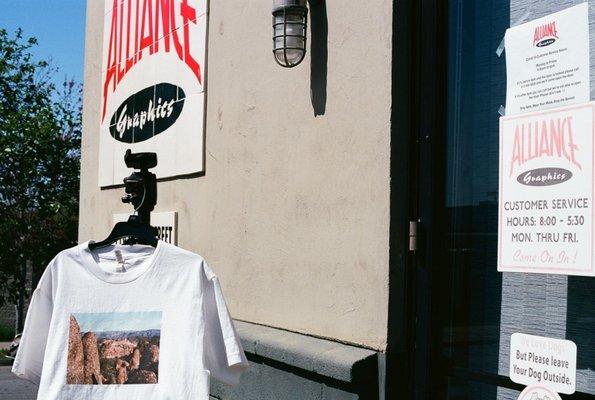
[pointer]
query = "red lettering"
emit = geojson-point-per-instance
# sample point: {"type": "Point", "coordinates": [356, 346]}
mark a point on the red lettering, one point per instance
{"type": "Point", "coordinates": [163, 6]}
{"type": "Point", "coordinates": [111, 52]}
{"type": "Point", "coordinates": [146, 41]}
{"type": "Point", "coordinates": [149, 17]}
{"type": "Point", "coordinates": [516, 150]}
{"type": "Point", "coordinates": [189, 14]}
{"type": "Point", "coordinates": [136, 36]}
{"type": "Point", "coordinates": [121, 71]}
{"type": "Point", "coordinates": [547, 30]}
{"type": "Point", "coordinates": [554, 140]}
{"type": "Point", "coordinates": [129, 60]}
{"type": "Point", "coordinates": [571, 145]}
{"type": "Point", "coordinates": [544, 148]}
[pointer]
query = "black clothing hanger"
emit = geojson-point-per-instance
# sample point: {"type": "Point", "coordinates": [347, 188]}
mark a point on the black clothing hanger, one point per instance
{"type": "Point", "coordinates": [132, 230]}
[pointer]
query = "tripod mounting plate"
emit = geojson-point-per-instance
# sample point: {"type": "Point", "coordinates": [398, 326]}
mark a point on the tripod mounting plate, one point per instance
{"type": "Point", "coordinates": [142, 161]}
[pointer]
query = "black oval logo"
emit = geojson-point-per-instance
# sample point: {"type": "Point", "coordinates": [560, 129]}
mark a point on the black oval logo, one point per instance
{"type": "Point", "coordinates": [147, 113]}
{"type": "Point", "coordinates": [544, 176]}
{"type": "Point", "coordinates": [546, 42]}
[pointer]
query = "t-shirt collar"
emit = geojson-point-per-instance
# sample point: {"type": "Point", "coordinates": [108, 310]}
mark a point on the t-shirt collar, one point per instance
{"type": "Point", "coordinates": [89, 261]}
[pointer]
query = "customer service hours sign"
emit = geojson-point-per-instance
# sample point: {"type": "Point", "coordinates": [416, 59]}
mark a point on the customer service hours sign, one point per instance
{"type": "Point", "coordinates": [546, 191]}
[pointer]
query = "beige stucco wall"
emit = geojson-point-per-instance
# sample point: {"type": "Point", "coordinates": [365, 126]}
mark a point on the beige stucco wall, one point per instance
{"type": "Point", "coordinates": [293, 211]}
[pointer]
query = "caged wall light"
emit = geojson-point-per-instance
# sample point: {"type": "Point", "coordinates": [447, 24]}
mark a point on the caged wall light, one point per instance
{"type": "Point", "coordinates": [289, 31]}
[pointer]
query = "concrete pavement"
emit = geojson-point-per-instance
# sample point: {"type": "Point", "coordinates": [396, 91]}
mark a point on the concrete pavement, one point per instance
{"type": "Point", "coordinates": [14, 388]}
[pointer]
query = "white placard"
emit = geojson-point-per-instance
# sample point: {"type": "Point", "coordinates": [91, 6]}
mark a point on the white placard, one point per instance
{"type": "Point", "coordinates": [538, 393]}
{"type": "Point", "coordinates": [546, 192]}
{"type": "Point", "coordinates": [542, 361]}
{"type": "Point", "coordinates": [165, 222]}
{"type": "Point", "coordinates": [547, 61]}
{"type": "Point", "coordinates": [152, 86]}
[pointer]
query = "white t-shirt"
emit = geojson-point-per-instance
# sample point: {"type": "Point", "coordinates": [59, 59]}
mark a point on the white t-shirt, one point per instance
{"type": "Point", "coordinates": [128, 322]}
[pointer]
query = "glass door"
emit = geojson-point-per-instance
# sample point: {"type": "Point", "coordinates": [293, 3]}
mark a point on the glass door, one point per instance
{"type": "Point", "coordinates": [465, 311]}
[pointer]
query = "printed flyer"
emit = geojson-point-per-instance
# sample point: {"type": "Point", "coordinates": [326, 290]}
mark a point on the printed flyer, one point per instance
{"type": "Point", "coordinates": [547, 61]}
{"type": "Point", "coordinates": [546, 192]}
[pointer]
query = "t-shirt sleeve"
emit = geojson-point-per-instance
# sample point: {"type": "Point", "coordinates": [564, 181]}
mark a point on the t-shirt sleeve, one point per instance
{"type": "Point", "coordinates": [28, 362]}
{"type": "Point", "coordinates": [224, 356]}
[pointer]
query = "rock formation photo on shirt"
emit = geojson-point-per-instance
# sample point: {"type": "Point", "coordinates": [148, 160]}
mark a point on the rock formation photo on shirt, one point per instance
{"type": "Point", "coordinates": [114, 348]}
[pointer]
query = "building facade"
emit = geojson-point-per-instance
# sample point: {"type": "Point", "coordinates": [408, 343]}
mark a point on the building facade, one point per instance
{"type": "Point", "coordinates": [349, 205]}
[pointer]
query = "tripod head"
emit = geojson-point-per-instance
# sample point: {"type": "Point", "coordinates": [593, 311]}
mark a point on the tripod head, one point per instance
{"type": "Point", "coordinates": [141, 186]}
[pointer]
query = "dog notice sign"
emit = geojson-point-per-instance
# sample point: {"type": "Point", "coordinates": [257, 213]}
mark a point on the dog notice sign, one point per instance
{"type": "Point", "coordinates": [542, 361]}
{"type": "Point", "coordinates": [546, 192]}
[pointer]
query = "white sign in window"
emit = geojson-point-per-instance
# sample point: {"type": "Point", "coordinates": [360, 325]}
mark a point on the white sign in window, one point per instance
{"type": "Point", "coordinates": [546, 192]}
{"type": "Point", "coordinates": [541, 361]}
{"type": "Point", "coordinates": [547, 61]}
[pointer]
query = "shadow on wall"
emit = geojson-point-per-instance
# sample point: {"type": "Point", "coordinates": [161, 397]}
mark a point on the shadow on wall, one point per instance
{"type": "Point", "coordinates": [318, 55]}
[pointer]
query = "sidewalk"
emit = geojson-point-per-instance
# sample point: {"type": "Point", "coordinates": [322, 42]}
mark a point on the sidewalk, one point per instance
{"type": "Point", "coordinates": [14, 388]}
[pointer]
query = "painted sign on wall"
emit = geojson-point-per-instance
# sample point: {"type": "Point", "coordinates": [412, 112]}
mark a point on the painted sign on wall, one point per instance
{"type": "Point", "coordinates": [153, 80]}
{"type": "Point", "coordinates": [546, 191]}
